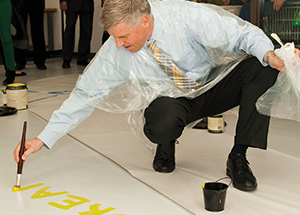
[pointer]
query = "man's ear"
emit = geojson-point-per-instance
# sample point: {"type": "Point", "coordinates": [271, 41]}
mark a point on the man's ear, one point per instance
{"type": "Point", "coordinates": [145, 21]}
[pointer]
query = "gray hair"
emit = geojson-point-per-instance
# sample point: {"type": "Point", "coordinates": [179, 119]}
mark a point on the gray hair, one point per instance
{"type": "Point", "coordinates": [117, 11]}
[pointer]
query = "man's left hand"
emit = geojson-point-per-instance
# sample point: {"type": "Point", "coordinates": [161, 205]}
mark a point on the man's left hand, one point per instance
{"type": "Point", "coordinates": [275, 62]}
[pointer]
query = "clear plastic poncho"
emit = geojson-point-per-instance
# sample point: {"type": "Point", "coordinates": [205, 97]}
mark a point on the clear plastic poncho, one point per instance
{"type": "Point", "coordinates": [123, 82]}
{"type": "Point", "coordinates": [282, 100]}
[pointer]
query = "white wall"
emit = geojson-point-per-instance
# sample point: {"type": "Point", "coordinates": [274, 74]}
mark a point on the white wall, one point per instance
{"type": "Point", "coordinates": [97, 30]}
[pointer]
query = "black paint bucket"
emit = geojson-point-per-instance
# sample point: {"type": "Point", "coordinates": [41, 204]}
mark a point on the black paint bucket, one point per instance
{"type": "Point", "coordinates": [214, 195]}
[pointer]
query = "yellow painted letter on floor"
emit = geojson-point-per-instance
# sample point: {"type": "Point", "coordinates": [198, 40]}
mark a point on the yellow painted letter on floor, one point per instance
{"type": "Point", "coordinates": [94, 210]}
{"type": "Point", "coordinates": [71, 203]}
{"type": "Point", "coordinates": [43, 194]}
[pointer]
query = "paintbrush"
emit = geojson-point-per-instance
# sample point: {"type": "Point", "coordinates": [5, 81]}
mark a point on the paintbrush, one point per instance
{"type": "Point", "coordinates": [20, 164]}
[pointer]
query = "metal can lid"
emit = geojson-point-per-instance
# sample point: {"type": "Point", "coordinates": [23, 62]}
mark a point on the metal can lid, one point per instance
{"type": "Point", "coordinates": [16, 86]}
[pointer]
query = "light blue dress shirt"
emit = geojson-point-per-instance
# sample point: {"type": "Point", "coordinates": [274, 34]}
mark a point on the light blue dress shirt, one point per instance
{"type": "Point", "coordinates": [197, 37]}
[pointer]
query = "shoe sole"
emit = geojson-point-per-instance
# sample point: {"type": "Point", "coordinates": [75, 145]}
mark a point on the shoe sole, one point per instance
{"type": "Point", "coordinates": [238, 187]}
{"type": "Point", "coordinates": [163, 170]}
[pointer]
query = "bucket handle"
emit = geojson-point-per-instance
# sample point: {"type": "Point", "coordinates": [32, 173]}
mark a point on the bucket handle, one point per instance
{"type": "Point", "coordinates": [223, 179]}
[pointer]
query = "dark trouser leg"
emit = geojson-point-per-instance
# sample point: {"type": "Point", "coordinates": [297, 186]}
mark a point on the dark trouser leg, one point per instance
{"type": "Point", "coordinates": [252, 127]}
{"type": "Point", "coordinates": [69, 35]}
{"type": "Point", "coordinates": [243, 86]}
{"type": "Point", "coordinates": [20, 57]}
{"type": "Point", "coordinates": [165, 121]}
{"type": "Point", "coordinates": [36, 16]}
{"type": "Point", "coordinates": [20, 54]}
{"type": "Point", "coordinates": [5, 36]}
{"type": "Point", "coordinates": [86, 29]}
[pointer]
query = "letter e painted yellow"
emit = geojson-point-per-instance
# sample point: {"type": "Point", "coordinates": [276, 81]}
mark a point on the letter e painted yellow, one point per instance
{"type": "Point", "coordinates": [71, 203]}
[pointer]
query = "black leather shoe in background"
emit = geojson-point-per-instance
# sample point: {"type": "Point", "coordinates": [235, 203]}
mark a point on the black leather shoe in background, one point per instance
{"type": "Point", "coordinates": [10, 77]}
{"type": "Point", "coordinates": [41, 67]}
{"type": "Point", "coordinates": [82, 62]}
{"type": "Point", "coordinates": [164, 160]}
{"type": "Point", "coordinates": [240, 173]}
{"type": "Point", "coordinates": [66, 64]}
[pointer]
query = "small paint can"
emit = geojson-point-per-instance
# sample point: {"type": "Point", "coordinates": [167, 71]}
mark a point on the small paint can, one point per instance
{"type": "Point", "coordinates": [4, 98]}
{"type": "Point", "coordinates": [214, 194]}
{"type": "Point", "coordinates": [16, 94]}
{"type": "Point", "coordinates": [215, 124]}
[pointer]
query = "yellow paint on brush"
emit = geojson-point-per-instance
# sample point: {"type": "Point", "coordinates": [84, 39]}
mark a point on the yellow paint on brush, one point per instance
{"type": "Point", "coordinates": [19, 189]}
{"type": "Point", "coordinates": [16, 189]}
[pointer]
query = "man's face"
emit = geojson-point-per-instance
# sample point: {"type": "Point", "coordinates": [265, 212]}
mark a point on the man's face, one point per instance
{"type": "Point", "coordinates": [131, 39]}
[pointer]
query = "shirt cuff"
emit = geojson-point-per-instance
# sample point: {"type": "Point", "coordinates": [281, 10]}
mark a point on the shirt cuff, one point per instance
{"type": "Point", "coordinates": [48, 138]}
{"type": "Point", "coordinates": [260, 53]}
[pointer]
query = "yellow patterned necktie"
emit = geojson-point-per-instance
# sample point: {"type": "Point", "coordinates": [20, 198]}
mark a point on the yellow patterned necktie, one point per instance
{"type": "Point", "coordinates": [174, 73]}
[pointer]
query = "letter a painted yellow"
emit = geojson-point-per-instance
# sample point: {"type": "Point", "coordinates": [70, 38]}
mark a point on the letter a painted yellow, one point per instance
{"type": "Point", "coordinates": [43, 194]}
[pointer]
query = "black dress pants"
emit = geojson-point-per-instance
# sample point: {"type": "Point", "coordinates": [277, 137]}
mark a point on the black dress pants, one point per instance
{"type": "Point", "coordinates": [35, 10]}
{"type": "Point", "coordinates": [85, 34]}
{"type": "Point", "coordinates": [166, 117]}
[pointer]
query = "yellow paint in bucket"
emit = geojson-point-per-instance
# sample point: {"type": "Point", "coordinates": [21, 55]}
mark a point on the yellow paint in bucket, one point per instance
{"type": "Point", "coordinates": [16, 94]}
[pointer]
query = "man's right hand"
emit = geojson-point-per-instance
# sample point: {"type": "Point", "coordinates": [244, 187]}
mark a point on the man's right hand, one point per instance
{"type": "Point", "coordinates": [64, 6]}
{"type": "Point", "coordinates": [31, 146]}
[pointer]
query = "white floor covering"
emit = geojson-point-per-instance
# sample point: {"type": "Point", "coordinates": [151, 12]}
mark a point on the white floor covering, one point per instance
{"type": "Point", "coordinates": [118, 171]}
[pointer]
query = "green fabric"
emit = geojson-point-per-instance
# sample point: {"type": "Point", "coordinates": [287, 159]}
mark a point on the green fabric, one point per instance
{"type": "Point", "coordinates": [5, 33]}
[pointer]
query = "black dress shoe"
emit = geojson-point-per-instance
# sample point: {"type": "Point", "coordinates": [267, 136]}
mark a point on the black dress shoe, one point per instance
{"type": "Point", "coordinates": [41, 67]}
{"type": "Point", "coordinates": [82, 62]}
{"type": "Point", "coordinates": [240, 173]}
{"type": "Point", "coordinates": [8, 81]}
{"type": "Point", "coordinates": [19, 67]}
{"type": "Point", "coordinates": [66, 64]}
{"type": "Point", "coordinates": [164, 160]}
{"type": "Point", "coordinates": [10, 77]}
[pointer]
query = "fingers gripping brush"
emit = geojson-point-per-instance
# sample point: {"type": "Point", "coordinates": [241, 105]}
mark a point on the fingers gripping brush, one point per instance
{"type": "Point", "coordinates": [20, 164]}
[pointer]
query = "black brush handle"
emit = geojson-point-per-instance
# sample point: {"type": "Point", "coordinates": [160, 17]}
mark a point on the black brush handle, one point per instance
{"type": "Point", "coordinates": [22, 148]}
